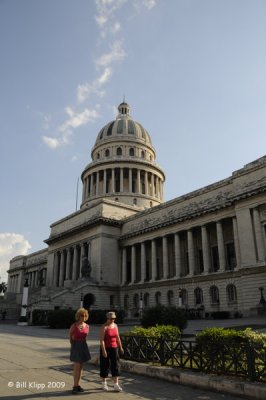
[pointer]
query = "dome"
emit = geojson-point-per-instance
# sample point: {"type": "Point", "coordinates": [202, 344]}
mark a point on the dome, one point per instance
{"type": "Point", "coordinates": [123, 126]}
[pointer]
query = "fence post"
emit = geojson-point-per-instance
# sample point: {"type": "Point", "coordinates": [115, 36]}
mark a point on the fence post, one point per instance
{"type": "Point", "coordinates": [161, 347]}
{"type": "Point", "coordinates": [250, 351]}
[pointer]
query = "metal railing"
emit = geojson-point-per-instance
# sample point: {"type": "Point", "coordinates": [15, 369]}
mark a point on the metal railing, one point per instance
{"type": "Point", "coordinates": [238, 359]}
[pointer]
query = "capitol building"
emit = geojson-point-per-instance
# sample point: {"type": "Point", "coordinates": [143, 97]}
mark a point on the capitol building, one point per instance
{"type": "Point", "coordinates": [125, 248]}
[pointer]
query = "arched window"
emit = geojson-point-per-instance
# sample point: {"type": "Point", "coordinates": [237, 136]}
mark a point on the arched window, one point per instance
{"type": "Point", "coordinates": [126, 302]}
{"type": "Point", "coordinates": [119, 151]}
{"type": "Point", "coordinates": [131, 152]}
{"type": "Point", "coordinates": [183, 297]}
{"type": "Point", "coordinates": [142, 154]}
{"type": "Point", "coordinates": [198, 296]}
{"type": "Point", "coordinates": [107, 153]}
{"type": "Point", "coordinates": [214, 294]}
{"type": "Point", "coordinates": [98, 156]}
{"type": "Point", "coordinates": [136, 300]}
{"type": "Point", "coordinates": [146, 299]}
{"type": "Point", "coordinates": [170, 297]}
{"type": "Point", "coordinates": [231, 293]}
{"type": "Point", "coordinates": [158, 298]}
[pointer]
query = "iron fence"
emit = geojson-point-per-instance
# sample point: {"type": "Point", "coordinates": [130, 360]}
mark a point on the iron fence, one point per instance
{"type": "Point", "coordinates": [238, 359]}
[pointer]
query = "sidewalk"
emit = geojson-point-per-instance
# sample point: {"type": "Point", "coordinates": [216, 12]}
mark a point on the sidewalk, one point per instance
{"type": "Point", "coordinates": [34, 364]}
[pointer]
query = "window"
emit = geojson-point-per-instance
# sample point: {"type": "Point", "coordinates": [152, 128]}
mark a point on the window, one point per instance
{"type": "Point", "coordinates": [214, 294]}
{"type": "Point", "coordinates": [158, 298]}
{"type": "Point", "coordinates": [198, 296]}
{"type": "Point", "coordinates": [131, 152]}
{"type": "Point", "coordinates": [146, 300]}
{"type": "Point", "coordinates": [119, 151]}
{"type": "Point", "coordinates": [184, 297]}
{"type": "Point", "coordinates": [170, 297]}
{"type": "Point", "coordinates": [136, 300]}
{"type": "Point", "coordinates": [107, 153]}
{"type": "Point", "coordinates": [142, 154]}
{"type": "Point", "coordinates": [231, 293]}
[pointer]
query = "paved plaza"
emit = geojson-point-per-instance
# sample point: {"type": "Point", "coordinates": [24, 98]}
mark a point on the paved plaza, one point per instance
{"type": "Point", "coordinates": [35, 365]}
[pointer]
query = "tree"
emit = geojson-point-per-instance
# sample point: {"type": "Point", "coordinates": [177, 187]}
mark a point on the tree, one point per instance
{"type": "Point", "coordinates": [3, 287]}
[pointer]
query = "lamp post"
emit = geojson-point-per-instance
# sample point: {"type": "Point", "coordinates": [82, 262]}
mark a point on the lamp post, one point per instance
{"type": "Point", "coordinates": [179, 297]}
{"type": "Point", "coordinates": [81, 300]}
{"type": "Point", "coordinates": [23, 314]}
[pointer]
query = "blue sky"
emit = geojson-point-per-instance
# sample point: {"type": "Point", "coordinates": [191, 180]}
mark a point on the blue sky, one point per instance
{"type": "Point", "coordinates": [193, 72]}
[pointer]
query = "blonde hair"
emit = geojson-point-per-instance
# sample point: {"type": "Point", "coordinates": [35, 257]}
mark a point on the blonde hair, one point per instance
{"type": "Point", "coordinates": [81, 311]}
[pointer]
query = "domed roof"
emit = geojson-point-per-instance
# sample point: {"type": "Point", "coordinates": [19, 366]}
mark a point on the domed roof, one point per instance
{"type": "Point", "coordinates": [123, 125]}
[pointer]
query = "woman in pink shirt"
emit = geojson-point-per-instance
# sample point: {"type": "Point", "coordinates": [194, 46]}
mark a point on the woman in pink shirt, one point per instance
{"type": "Point", "coordinates": [109, 351]}
{"type": "Point", "coordinates": [79, 352]}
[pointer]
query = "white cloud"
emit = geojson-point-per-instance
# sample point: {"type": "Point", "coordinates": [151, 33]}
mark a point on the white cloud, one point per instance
{"type": "Point", "coordinates": [85, 89]}
{"type": "Point", "coordinates": [117, 53]}
{"type": "Point", "coordinates": [11, 245]}
{"type": "Point", "coordinates": [140, 4]}
{"type": "Point", "coordinates": [78, 119]}
{"type": "Point", "coordinates": [53, 143]}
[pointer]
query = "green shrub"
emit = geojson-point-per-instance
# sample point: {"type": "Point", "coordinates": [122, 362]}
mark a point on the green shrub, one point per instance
{"type": "Point", "coordinates": [164, 331]}
{"type": "Point", "coordinates": [61, 319]}
{"type": "Point", "coordinates": [39, 317]}
{"type": "Point", "coordinates": [162, 315]}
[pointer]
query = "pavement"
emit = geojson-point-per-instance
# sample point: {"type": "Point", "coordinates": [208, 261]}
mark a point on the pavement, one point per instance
{"type": "Point", "coordinates": [34, 364]}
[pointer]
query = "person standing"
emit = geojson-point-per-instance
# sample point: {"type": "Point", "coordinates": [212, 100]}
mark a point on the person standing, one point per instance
{"type": "Point", "coordinates": [110, 345]}
{"type": "Point", "coordinates": [79, 352]}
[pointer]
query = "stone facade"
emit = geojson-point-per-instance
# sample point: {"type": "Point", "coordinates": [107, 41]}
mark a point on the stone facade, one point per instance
{"type": "Point", "coordinates": [126, 248]}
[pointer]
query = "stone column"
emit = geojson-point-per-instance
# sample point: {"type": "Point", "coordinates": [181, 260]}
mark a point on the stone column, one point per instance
{"type": "Point", "coordinates": [191, 252]}
{"type": "Point", "coordinates": [121, 180]}
{"type": "Point", "coordinates": [205, 250]}
{"type": "Point", "coordinates": [146, 183]}
{"type": "Point", "coordinates": [104, 181]}
{"type": "Point", "coordinates": [55, 273]}
{"type": "Point", "coordinates": [130, 180]}
{"type": "Point", "coordinates": [62, 269]}
{"type": "Point", "coordinates": [153, 260]}
{"type": "Point", "coordinates": [82, 254]}
{"type": "Point", "coordinates": [152, 184]}
{"type": "Point", "coordinates": [124, 266]}
{"type": "Point", "coordinates": [68, 264]}
{"type": "Point", "coordinates": [236, 243]}
{"type": "Point", "coordinates": [91, 188]}
{"type": "Point", "coordinates": [75, 264]}
{"type": "Point", "coordinates": [138, 181]}
{"type": "Point", "coordinates": [97, 182]}
{"type": "Point", "coordinates": [143, 262]}
{"type": "Point", "coordinates": [165, 258]}
{"type": "Point", "coordinates": [221, 249]}
{"type": "Point", "coordinates": [258, 235]}
{"type": "Point", "coordinates": [177, 256]}
{"type": "Point", "coordinates": [133, 264]}
{"type": "Point", "coordinates": [113, 181]}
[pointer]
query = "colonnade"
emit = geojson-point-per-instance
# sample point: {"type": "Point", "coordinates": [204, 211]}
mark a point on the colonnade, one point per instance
{"type": "Point", "coordinates": [68, 263]}
{"type": "Point", "coordinates": [13, 282]}
{"type": "Point", "coordinates": [122, 180]}
{"type": "Point", "coordinates": [184, 253]}
{"type": "Point", "coordinates": [212, 247]}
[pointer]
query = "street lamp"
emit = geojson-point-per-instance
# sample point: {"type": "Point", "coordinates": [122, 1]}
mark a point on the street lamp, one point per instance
{"type": "Point", "coordinates": [179, 297]}
{"type": "Point", "coordinates": [23, 314]}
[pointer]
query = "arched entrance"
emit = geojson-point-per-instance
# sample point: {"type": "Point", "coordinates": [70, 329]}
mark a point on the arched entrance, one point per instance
{"type": "Point", "coordinates": [88, 300]}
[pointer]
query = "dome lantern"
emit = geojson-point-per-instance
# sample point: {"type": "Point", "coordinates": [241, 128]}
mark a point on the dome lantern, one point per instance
{"type": "Point", "coordinates": [123, 109]}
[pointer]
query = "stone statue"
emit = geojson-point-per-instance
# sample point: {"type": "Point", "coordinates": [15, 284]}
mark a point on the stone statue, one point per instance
{"type": "Point", "coordinates": [85, 268]}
